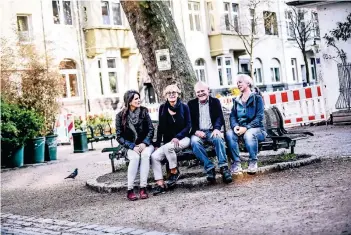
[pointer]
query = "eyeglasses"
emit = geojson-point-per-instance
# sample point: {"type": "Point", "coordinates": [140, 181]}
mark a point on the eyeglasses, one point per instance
{"type": "Point", "coordinates": [171, 93]}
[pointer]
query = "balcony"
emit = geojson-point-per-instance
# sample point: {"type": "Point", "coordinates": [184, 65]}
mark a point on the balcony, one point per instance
{"type": "Point", "coordinates": [221, 44]}
{"type": "Point", "coordinates": [99, 39]}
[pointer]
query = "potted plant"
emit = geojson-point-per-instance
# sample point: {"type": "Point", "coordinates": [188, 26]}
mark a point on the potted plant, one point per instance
{"type": "Point", "coordinates": [18, 125]}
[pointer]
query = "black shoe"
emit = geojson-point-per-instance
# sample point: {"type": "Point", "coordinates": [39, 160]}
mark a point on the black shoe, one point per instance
{"type": "Point", "coordinates": [211, 175]}
{"type": "Point", "coordinates": [172, 180]}
{"type": "Point", "coordinates": [226, 175]}
{"type": "Point", "coordinates": [159, 190]}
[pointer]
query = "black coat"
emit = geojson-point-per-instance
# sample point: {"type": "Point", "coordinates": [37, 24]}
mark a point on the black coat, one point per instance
{"type": "Point", "coordinates": [216, 114]}
{"type": "Point", "coordinates": [125, 136]}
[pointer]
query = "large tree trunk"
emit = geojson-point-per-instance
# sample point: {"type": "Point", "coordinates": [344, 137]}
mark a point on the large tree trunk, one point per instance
{"type": "Point", "coordinates": [307, 69]}
{"type": "Point", "coordinates": [153, 27]}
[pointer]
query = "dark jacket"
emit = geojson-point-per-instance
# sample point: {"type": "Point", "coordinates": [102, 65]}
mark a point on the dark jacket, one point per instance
{"type": "Point", "coordinates": [144, 128]}
{"type": "Point", "coordinates": [216, 114]}
{"type": "Point", "coordinates": [254, 112]}
{"type": "Point", "coordinates": [181, 126]}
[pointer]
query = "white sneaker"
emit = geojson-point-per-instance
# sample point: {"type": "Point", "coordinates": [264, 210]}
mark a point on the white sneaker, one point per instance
{"type": "Point", "coordinates": [236, 168]}
{"type": "Point", "coordinates": [252, 169]}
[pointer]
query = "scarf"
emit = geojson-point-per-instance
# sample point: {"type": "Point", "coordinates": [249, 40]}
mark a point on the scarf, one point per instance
{"type": "Point", "coordinates": [174, 108]}
{"type": "Point", "coordinates": [133, 119]}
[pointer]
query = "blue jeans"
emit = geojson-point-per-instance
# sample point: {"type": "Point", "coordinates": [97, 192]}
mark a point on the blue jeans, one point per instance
{"type": "Point", "coordinates": [251, 138]}
{"type": "Point", "coordinates": [199, 150]}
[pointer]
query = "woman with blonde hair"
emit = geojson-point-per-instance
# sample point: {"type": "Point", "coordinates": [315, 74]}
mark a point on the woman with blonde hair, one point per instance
{"type": "Point", "coordinates": [173, 130]}
{"type": "Point", "coordinates": [246, 122]}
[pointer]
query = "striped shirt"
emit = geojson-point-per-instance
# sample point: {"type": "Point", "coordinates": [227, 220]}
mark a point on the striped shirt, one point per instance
{"type": "Point", "coordinates": [205, 122]}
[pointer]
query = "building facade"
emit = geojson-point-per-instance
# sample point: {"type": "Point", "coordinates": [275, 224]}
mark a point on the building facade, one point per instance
{"type": "Point", "coordinates": [95, 50]}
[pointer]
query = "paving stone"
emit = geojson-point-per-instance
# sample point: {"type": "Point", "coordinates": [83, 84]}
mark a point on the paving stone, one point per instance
{"type": "Point", "coordinates": [71, 224]}
{"type": "Point", "coordinates": [74, 230]}
{"type": "Point", "coordinates": [154, 233]}
{"type": "Point", "coordinates": [84, 231]}
{"type": "Point", "coordinates": [126, 230]}
{"type": "Point", "coordinates": [113, 229]}
{"type": "Point", "coordinates": [5, 215]}
{"type": "Point", "coordinates": [91, 226]}
{"type": "Point", "coordinates": [55, 227]}
{"type": "Point", "coordinates": [27, 224]}
{"type": "Point", "coordinates": [100, 228]}
{"type": "Point", "coordinates": [32, 229]}
{"type": "Point", "coordinates": [14, 217]}
{"type": "Point", "coordinates": [139, 231]}
{"type": "Point", "coordinates": [47, 221]}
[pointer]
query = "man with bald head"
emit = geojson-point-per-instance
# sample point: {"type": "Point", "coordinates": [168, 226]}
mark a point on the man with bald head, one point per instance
{"type": "Point", "coordinates": [207, 122]}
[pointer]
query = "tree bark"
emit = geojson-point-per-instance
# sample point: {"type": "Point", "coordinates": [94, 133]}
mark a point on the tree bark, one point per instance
{"type": "Point", "coordinates": [306, 64]}
{"type": "Point", "coordinates": [153, 27]}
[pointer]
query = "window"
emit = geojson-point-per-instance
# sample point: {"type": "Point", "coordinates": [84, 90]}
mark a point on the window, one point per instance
{"type": "Point", "coordinates": [253, 20]}
{"type": "Point", "coordinates": [270, 23]}
{"type": "Point", "coordinates": [100, 77]}
{"type": "Point", "coordinates": [294, 70]}
{"type": "Point", "coordinates": [258, 71]}
{"type": "Point", "coordinates": [200, 70]}
{"type": "Point", "coordinates": [301, 20]}
{"type": "Point", "coordinates": [68, 71]}
{"type": "Point", "coordinates": [313, 69]}
{"type": "Point", "coordinates": [315, 21]}
{"type": "Point", "coordinates": [231, 11]}
{"type": "Point", "coordinates": [24, 28]}
{"type": "Point", "coordinates": [275, 70]}
{"type": "Point", "coordinates": [112, 74]}
{"type": "Point", "coordinates": [62, 12]}
{"type": "Point", "coordinates": [210, 16]}
{"type": "Point", "coordinates": [111, 13]}
{"type": "Point", "coordinates": [224, 65]}
{"type": "Point", "coordinates": [194, 16]}
{"type": "Point", "coordinates": [289, 24]}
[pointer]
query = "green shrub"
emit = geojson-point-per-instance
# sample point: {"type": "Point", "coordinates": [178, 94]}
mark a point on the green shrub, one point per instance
{"type": "Point", "coordinates": [18, 125]}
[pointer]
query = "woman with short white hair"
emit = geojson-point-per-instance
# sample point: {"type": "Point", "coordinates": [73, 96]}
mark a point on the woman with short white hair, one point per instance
{"type": "Point", "coordinates": [246, 122]}
{"type": "Point", "coordinates": [173, 130]}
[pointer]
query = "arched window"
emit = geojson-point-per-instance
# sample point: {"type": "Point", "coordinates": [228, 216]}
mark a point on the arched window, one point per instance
{"type": "Point", "coordinates": [68, 70]}
{"type": "Point", "coordinates": [200, 70]}
{"type": "Point", "coordinates": [258, 71]}
{"type": "Point", "coordinates": [275, 70]}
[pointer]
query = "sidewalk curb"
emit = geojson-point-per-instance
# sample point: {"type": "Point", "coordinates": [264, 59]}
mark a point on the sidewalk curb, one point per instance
{"type": "Point", "coordinates": [201, 181]}
{"type": "Point", "coordinates": [30, 165]}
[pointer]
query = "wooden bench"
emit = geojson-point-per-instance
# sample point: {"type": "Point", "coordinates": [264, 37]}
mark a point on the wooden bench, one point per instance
{"type": "Point", "coordinates": [278, 137]}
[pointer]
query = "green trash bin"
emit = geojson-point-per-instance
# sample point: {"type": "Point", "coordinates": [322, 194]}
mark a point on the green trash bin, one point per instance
{"type": "Point", "coordinates": [80, 142]}
{"type": "Point", "coordinates": [16, 158]}
{"type": "Point", "coordinates": [35, 150]}
{"type": "Point", "coordinates": [51, 148]}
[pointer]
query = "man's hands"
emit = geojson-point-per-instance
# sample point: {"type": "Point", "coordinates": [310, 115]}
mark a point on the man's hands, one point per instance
{"type": "Point", "coordinates": [175, 141]}
{"type": "Point", "coordinates": [139, 148]}
{"type": "Point", "coordinates": [239, 130]}
{"type": "Point", "coordinates": [200, 134]}
{"type": "Point", "coordinates": [216, 133]}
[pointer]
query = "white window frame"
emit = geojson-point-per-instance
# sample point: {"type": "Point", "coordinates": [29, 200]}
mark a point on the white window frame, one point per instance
{"type": "Point", "coordinates": [192, 16]}
{"type": "Point", "coordinates": [210, 17]}
{"type": "Point", "coordinates": [112, 70]}
{"type": "Point", "coordinates": [61, 13]}
{"type": "Point", "coordinates": [232, 24]}
{"type": "Point", "coordinates": [252, 20]}
{"type": "Point", "coordinates": [199, 68]}
{"type": "Point", "coordinates": [273, 71]}
{"type": "Point", "coordinates": [289, 24]}
{"type": "Point", "coordinates": [101, 76]}
{"type": "Point", "coordinates": [110, 13]}
{"type": "Point", "coordinates": [295, 75]}
{"type": "Point", "coordinates": [223, 68]}
{"type": "Point", "coordinates": [315, 21]}
{"type": "Point", "coordinates": [25, 36]}
{"type": "Point", "coordinates": [258, 70]}
{"type": "Point", "coordinates": [66, 73]}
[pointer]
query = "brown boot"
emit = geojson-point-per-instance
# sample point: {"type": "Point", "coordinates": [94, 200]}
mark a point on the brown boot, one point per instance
{"type": "Point", "coordinates": [131, 195]}
{"type": "Point", "coordinates": [143, 194]}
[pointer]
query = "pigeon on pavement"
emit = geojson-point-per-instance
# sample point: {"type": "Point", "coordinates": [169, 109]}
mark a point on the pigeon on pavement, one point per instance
{"type": "Point", "coordinates": [73, 174]}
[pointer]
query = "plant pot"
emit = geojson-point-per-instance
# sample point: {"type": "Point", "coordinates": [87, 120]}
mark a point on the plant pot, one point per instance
{"type": "Point", "coordinates": [35, 150]}
{"type": "Point", "coordinates": [80, 142]}
{"type": "Point", "coordinates": [16, 158]}
{"type": "Point", "coordinates": [51, 148]}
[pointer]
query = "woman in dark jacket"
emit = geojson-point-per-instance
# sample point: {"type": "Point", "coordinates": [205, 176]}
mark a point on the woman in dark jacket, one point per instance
{"type": "Point", "coordinates": [134, 131]}
{"type": "Point", "coordinates": [173, 130]}
{"type": "Point", "coordinates": [246, 122]}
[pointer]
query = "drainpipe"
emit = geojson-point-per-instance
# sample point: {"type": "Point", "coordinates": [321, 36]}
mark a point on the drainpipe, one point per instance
{"type": "Point", "coordinates": [80, 39]}
{"type": "Point", "coordinates": [182, 17]}
{"type": "Point", "coordinates": [44, 37]}
{"type": "Point", "coordinates": [282, 40]}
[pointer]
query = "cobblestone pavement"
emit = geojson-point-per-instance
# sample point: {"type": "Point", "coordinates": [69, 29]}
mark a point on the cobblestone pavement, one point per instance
{"type": "Point", "coordinates": [24, 225]}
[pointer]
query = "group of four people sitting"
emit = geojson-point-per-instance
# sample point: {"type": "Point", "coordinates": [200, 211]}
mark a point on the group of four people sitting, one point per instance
{"type": "Point", "coordinates": [195, 124]}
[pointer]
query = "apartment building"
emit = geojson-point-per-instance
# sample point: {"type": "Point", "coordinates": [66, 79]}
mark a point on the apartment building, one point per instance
{"type": "Point", "coordinates": [98, 58]}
